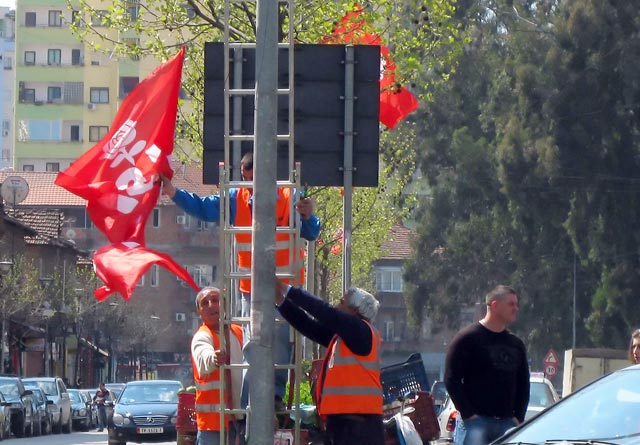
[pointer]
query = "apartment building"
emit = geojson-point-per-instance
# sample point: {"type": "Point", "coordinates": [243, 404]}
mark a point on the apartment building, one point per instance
{"type": "Point", "coordinates": [7, 59]}
{"type": "Point", "coordinates": [67, 94]}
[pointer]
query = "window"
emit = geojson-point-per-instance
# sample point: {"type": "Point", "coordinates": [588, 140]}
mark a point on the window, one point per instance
{"type": "Point", "coordinates": [6, 154]}
{"type": "Point", "coordinates": [97, 132]}
{"type": "Point", "coordinates": [155, 275]}
{"type": "Point", "coordinates": [53, 166]}
{"type": "Point", "coordinates": [100, 18]}
{"type": "Point", "coordinates": [203, 226]}
{"type": "Point", "coordinates": [156, 218]}
{"type": "Point", "coordinates": [74, 133]}
{"type": "Point", "coordinates": [54, 94]}
{"type": "Point", "coordinates": [29, 57]}
{"type": "Point", "coordinates": [8, 62]}
{"type": "Point", "coordinates": [99, 95]}
{"type": "Point", "coordinates": [75, 17]}
{"type": "Point", "coordinates": [55, 18]}
{"type": "Point", "coordinates": [75, 57]}
{"type": "Point", "coordinates": [54, 57]}
{"type": "Point", "coordinates": [29, 95]}
{"type": "Point", "coordinates": [6, 126]}
{"type": "Point", "coordinates": [140, 282]}
{"type": "Point", "coordinates": [389, 280]}
{"type": "Point", "coordinates": [389, 331]}
{"type": "Point", "coordinates": [30, 19]}
{"type": "Point", "coordinates": [133, 12]}
{"type": "Point", "coordinates": [27, 168]}
{"type": "Point", "coordinates": [202, 274]}
{"type": "Point", "coordinates": [127, 84]}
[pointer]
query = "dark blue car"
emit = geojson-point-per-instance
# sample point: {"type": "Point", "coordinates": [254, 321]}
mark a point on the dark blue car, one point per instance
{"type": "Point", "coordinates": [146, 411]}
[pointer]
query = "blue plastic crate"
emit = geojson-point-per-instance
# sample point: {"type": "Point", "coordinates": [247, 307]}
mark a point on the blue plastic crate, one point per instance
{"type": "Point", "coordinates": [403, 377]}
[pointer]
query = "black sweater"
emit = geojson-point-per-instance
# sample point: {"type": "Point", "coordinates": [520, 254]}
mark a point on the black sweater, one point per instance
{"type": "Point", "coordinates": [320, 321]}
{"type": "Point", "coordinates": [487, 373]}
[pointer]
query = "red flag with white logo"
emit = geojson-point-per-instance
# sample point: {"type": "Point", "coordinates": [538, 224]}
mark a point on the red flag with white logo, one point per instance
{"type": "Point", "coordinates": [116, 176]}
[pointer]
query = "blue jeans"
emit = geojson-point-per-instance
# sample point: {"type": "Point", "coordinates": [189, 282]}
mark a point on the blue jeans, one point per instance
{"type": "Point", "coordinates": [208, 438]}
{"type": "Point", "coordinates": [102, 416]}
{"type": "Point", "coordinates": [459, 432]}
{"type": "Point", "coordinates": [483, 430]}
{"type": "Point", "coordinates": [282, 351]}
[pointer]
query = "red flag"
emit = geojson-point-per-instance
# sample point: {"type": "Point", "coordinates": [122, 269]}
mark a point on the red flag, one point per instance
{"type": "Point", "coordinates": [116, 176]}
{"type": "Point", "coordinates": [395, 101]}
{"type": "Point", "coordinates": [121, 265]}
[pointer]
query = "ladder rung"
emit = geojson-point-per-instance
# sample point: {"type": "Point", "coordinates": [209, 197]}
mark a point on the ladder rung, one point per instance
{"type": "Point", "coordinates": [253, 44]}
{"type": "Point", "coordinates": [249, 185]}
{"type": "Point", "coordinates": [244, 230]}
{"type": "Point", "coordinates": [251, 137]}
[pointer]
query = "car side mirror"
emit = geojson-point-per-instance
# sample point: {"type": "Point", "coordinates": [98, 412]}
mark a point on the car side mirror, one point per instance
{"type": "Point", "coordinates": [49, 402]}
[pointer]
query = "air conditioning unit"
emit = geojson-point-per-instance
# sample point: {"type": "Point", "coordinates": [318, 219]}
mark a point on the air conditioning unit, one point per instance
{"type": "Point", "coordinates": [91, 106]}
{"type": "Point", "coordinates": [181, 219]}
{"type": "Point", "coordinates": [181, 316]}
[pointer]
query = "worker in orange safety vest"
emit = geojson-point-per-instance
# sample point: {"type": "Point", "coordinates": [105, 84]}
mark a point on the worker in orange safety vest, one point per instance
{"type": "Point", "coordinates": [206, 358]}
{"type": "Point", "coordinates": [348, 391]}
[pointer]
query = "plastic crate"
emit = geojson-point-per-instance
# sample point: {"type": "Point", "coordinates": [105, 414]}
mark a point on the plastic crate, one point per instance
{"type": "Point", "coordinates": [423, 417]}
{"type": "Point", "coordinates": [403, 377]}
{"type": "Point", "coordinates": [186, 419]}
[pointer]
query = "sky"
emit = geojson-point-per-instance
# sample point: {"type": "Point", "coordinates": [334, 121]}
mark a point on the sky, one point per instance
{"type": "Point", "coordinates": [10, 3]}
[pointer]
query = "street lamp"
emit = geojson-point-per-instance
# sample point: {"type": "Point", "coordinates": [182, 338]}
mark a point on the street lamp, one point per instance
{"type": "Point", "coordinates": [46, 312]}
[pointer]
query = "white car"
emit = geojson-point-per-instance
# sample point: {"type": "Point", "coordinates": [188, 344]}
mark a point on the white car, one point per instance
{"type": "Point", "coordinates": [542, 394]}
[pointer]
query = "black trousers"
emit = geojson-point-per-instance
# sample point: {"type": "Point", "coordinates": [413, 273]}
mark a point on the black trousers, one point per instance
{"type": "Point", "coordinates": [355, 429]}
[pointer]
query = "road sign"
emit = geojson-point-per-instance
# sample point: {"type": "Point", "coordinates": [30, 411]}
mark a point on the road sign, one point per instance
{"type": "Point", "coordinates": [551, 358]}
{"type": "Point", "coordinates": [550, 370]}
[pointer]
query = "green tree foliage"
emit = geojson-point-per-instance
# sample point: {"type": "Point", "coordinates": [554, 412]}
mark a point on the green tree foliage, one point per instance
{"type": "Point", "coordinates": [531, 151]}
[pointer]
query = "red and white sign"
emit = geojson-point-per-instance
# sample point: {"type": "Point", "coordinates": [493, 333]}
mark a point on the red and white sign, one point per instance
{"type": "Point", "coordinates": [551, 358]}
{"type": "Point", "coordinates": [550, 370]}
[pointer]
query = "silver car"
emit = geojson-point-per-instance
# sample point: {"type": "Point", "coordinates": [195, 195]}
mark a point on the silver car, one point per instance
{"type": "Point", "coordinates": [56, 391]}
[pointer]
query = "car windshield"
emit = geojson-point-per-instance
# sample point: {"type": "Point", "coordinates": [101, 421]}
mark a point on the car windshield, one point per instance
{"type": "Point", "coordinates": [75, 397]}
{"type": "Point", "coordinates": [540, 395]}
{"type": "Point", "coordinates": [9, 389]}
{"type": "Point", "coordinates": [150, 394]}
{"type": "Point", "coordinates": [608, 410]}
{"type": "Point", "coordinates": [49, 388]}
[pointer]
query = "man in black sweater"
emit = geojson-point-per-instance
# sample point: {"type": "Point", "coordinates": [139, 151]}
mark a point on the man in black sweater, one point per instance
{"type": "Point", "coordinates": [487, 372]}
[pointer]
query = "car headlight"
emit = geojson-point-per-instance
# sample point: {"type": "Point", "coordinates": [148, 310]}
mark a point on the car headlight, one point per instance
{"type": "Point", "coordinates": [118, 419]}
{"type": "Point", "coordinates": [82, 412]}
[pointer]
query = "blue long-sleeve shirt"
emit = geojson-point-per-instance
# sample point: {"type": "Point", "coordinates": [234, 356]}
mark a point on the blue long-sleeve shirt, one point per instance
{"type": "Point", "coordinates": [208, 209]}
{"type": "Point", "coordinates": [319, 321]}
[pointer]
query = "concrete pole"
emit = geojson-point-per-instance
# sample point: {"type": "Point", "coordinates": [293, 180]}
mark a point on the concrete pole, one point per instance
{"type": "Point", "coordinates": [261, 388]}
{"type": "Point", "coordinates": [347, 216]}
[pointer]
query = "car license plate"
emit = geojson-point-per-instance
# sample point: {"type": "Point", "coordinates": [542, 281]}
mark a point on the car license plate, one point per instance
{"type": "Point", "coordinates": [149, 430]}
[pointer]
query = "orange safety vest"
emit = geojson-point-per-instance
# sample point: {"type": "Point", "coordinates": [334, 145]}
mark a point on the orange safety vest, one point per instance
{"type": "Point", "coordinates": [243, 240]}
{"type": "Point", "coordinates": [208, 405]}
{"type": "Point", "coordinates": [350, 383]}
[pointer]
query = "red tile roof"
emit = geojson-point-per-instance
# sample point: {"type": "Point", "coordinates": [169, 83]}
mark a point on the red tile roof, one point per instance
{"type": "Point", "coordinates": [44, 193]}
{"type": "Point", "coordinates": [398, 245]}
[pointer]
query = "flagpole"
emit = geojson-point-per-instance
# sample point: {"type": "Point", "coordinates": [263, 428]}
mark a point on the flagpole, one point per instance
{"type": "Point", "coordinates": [347, 216]}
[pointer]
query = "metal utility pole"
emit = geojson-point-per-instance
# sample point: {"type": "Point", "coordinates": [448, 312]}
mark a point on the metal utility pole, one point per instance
{"type": "Point", "coordinates": [261, 390]}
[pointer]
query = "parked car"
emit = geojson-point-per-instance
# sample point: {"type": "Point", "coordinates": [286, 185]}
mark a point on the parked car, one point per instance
{"type": "Point", "coordinates": [542, 394]}
{"type": "Point", "coordinates": [43, 421]}
{"type": "Point", "coordinates": [146, 412]}
{"type": "Point", "coordinates": [21, 405]}
{"type": "Point", "coordinates": [56, 391]}
{"type": "Point", "coordinates": [605, 411]}
{"type": "Point", "coordinates": [81, 413]}
{"type": "Point", "coordinates": [5, 418]}
{"type": "Point", "coordinates": [88, 396]}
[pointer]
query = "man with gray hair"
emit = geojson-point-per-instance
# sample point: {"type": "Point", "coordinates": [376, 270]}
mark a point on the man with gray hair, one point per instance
{"type": "Point", "coordinates": [349, 392]}
{"type": "Point", "coordinates": [487, 371]}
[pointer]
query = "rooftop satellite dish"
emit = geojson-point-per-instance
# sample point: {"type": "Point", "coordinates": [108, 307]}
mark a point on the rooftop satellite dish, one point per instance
{"type": "Point", "coordinates": [14, 190]}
